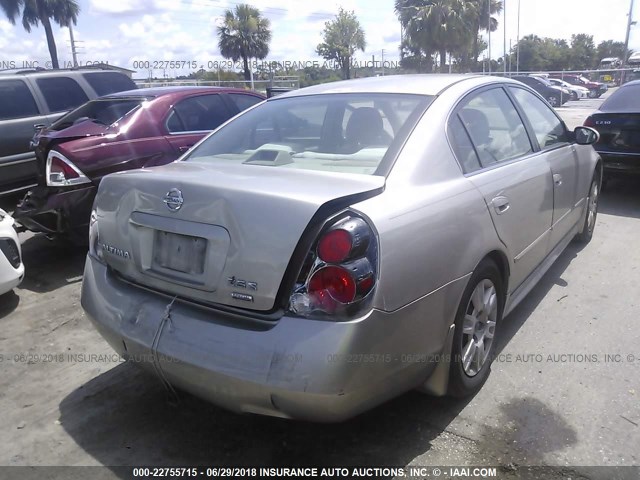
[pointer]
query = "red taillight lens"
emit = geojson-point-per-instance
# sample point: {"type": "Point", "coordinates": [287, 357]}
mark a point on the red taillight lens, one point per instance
{"type": "Point", "coordinates": [336, 281]}
{"type": "Point", "coordinates": [335, 246]}
{"type": "Point", "coordinates": [339, 274]}
{"type": "Point", "coordinates": [589, 122]}
{"type": "Point", "coordinates": [59, 167]}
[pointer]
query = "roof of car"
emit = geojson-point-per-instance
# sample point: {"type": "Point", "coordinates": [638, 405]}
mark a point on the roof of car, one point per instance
{"type": "Point", "coordinates": [160, 91]}
{"type": "Point", "coordinates": [54, 73]}
{"type": "Point", "coordinates": [631, 83]}
{"type": "Point", "coordinates": [425, 84]}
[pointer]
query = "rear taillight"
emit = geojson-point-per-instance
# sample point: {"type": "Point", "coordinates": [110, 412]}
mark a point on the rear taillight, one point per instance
{"type": "Point", "coordinates": [61, 172]}
{"type": "Point", "coordinates": [340, 272]}
{"type": "Point", "coordinates": [589, 122]}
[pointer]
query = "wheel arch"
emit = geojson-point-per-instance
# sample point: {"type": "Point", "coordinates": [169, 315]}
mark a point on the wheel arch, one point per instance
{"type": "Point", "coordinates": [500, 259]}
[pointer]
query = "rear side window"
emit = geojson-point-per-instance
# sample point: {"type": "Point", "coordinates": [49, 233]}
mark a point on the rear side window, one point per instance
{"type": "Point", "coordinates": [105, 83]}
{"type": "Point", "coordinates": [495, 127]}
{"type": "Point", "coordinates": [196, 114]}
{"type": "Point", "coordinates": [462, 146]}
{"type": "Point", "coordinates": [61, 93]}
{"type": "Point", "coordinates": [16, 100]}
{"type": "Point", "coordinates": [244, 101]}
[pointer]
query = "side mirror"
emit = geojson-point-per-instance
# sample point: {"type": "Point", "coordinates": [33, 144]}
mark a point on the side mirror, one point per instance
{"type": "Point", "coordinates": [586, 135]}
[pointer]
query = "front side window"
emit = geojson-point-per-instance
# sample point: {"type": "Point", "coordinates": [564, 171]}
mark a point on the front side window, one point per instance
{"type": "Point", "coordinates": [495, 127]}
{"type": "Point", "coordinates": [548, 128]}
{"type": "Point", "coordinates": [198, 114]}
{"type": "Point", "coordinates": [348, 133]}
{"type": "Point", "coordinates": [16, 100]}
{"type": "Point", "coordinates": [61, 93]}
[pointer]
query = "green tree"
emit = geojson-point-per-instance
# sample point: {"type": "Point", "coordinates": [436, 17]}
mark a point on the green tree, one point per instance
{"type": "Point", "coordinates": [36, 12]}
{"type": "Point", "coordinates": [341, 38]}
{"type": "Point", "coordinates": [481, 18]}
{"type": "Point", "coordinates": [583, 51]}
{"type": "Point", "coordinates": [244, 34]}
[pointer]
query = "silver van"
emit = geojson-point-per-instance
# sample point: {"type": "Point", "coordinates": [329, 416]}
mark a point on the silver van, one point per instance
{"type": "Point", "coordinates": [32, 99]}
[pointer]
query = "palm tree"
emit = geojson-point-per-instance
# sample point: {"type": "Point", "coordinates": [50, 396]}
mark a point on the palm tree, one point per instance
{"type": "Point", "coordinates": [435, 25]}
{"type": "Point", "coordinates": [481, 18]}
{"type": "Point", "coordinates": [36, 12]}
{"type": "Point", "coordinates": [244, 34]}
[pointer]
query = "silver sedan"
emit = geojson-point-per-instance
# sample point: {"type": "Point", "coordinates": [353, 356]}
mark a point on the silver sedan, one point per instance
{"type": "Point", "coordinates": [336, 246]}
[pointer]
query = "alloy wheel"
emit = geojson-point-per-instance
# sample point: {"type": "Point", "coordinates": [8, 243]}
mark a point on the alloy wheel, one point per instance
{"type": "Point", "coordinates": [478, 329]}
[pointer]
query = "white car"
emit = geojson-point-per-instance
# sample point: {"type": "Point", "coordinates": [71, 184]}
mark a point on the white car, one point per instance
{"type": "Point", "coordinates": [11, 267]}
{"type": "Point", "coordinates": [577, 92]}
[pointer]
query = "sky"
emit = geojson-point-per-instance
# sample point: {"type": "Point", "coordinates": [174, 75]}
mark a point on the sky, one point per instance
{"type": "Point", "coordinates": [125, 32]}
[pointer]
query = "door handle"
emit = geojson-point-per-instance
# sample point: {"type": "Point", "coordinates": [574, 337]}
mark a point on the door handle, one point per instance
{"type": "Point", "coordinates": [500, 204]}
{"type": "Point", "coordinates": [39, 126]}
{"type": "Point", "coordinates": [184, 148]}
{"type": "Point", "coordinates": [557, 179]}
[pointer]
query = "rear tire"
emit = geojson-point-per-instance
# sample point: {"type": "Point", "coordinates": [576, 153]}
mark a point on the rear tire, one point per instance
{"type": "Point", "coordinates": [554, 100]}
{"type": "Point", "coordinates": [477, 320]}
{"type": "Point", "coordinates": [591, 211]}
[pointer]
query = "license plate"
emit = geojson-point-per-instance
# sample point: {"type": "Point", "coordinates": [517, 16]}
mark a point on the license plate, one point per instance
{"type": "Point", "coordinates": [181, 253]}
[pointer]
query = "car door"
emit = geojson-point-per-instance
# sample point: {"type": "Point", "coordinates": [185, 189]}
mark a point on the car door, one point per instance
{"type": "Point", "coordinates": [192, 118]}
{"type": "Point", "coordinates": [515, 181]}
{"type": "Point", "coordinates": [19, 115]}
{"type": "Point", "coordinates": [553, 140]}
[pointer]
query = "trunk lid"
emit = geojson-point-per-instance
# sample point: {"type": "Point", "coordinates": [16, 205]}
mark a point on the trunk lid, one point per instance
{"type": "Point", "coordinates": [232, 237]}
{"type": "Point", "coordinates": [619, 132]}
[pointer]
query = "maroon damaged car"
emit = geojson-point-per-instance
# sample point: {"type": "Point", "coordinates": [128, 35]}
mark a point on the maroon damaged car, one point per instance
{"type": "Point", "coordinates": [121, 131]}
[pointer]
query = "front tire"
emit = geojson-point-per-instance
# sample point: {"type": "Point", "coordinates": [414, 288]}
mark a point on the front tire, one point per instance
{"type": "Point", "coordinates": [591, 213]}
{"type": "Point", "coordinates": [553, 100]}
{"type": "Point", "coordinates": [477, 319]}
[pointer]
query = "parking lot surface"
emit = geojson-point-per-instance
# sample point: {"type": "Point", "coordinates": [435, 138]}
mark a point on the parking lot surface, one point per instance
{"type": "Point", "coordinates": [564, 390]}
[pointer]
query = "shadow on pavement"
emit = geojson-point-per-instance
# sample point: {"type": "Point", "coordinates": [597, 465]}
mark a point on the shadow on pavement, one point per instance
{"type": "Point", "coordinates": [621, 197]}
{"type": "Point", "coordinates": [122, 418]}
{"type": "Point", "coordinates": [50, 265]}
{"type": "Point", "coordinates": [8, 303]}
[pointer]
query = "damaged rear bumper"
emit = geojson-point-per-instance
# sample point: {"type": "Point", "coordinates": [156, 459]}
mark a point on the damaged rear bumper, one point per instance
{"type": "Point", "coordinates": [291, 368]}
{"type": "Point", "coordinates": [56, 211]}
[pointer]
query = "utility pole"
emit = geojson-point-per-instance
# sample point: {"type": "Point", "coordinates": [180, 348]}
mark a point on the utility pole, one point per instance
{"type": "Point", "coordinates": [518, 42]}
{"type": "Point", "coordinates": [74, 53]}
{"type": "Point", "coordinates": [504, 33]}
{"type": "Point", "coordinates": [382, 63]}
{"type": "Point", "coordinates": [630, 22]}
{"type": "Point", "coordinates": [489, 30]}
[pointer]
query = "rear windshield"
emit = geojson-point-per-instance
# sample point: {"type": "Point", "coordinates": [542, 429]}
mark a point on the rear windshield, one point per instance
{"type": "Point", "coordinates": [104, 111]}
{"type": "Point", "coordinates": [105, 83]}
{"type": "Point", "coordinates": [625, 99]}
{"type": "Point", "coordinates": [349, 133]}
